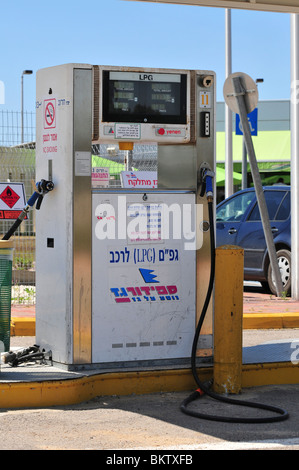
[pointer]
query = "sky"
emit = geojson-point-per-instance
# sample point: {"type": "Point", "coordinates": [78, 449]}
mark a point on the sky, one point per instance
{"type": "Point", "coordinates": [35, 34]}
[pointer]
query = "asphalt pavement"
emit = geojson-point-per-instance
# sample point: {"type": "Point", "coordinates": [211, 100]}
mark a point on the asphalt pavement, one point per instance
{"type": "Point", "coordinates": [153, 421]}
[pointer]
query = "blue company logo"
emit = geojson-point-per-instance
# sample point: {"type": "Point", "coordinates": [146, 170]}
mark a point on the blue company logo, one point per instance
{"type": "Point", "coordinates": [145, 293]}
{"type": "Point", "coordinates": [147, 275]}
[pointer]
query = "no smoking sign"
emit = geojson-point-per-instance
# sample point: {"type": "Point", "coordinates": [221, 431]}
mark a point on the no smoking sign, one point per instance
{"type": "Point", "coordinates": [50, 114]}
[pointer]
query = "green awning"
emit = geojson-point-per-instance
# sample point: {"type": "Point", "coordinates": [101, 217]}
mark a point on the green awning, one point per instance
{"type": "Point", "coordinates": [220, 176]}
{"type": "Point", "coordinates": [269, 146]}
{"type": "Point", "coordinates": [114, 167]}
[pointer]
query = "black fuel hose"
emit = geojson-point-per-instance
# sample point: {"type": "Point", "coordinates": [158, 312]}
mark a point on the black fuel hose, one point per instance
{"type": "Point", "coordinates": [203, 388]}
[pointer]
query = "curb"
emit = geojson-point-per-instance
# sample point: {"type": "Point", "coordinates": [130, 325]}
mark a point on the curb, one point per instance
{"type": "Point", "coordinates": [25, 326]}
{"type": "Point", "coordinates": [265, 321]}
{"type": "Point", "coordinates": [68, 391]}
{"type": "Point", "coordinates": [73, 391]}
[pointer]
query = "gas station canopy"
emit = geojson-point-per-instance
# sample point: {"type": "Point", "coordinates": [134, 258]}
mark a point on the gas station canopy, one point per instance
{"type": "Point", "coordinates": [284, 6]}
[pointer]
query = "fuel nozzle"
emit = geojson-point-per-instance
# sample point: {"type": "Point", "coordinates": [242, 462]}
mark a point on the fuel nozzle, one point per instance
{"type": "Point", "coordinates": [205, 181]}
{"type": "Point", "coordinates": [42, 188]}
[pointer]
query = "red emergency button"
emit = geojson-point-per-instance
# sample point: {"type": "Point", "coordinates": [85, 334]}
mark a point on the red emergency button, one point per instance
{"type": "Point", "coordinates": [161, 131]}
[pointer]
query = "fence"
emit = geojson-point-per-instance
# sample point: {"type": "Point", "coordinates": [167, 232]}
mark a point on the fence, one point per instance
{"type": "Point", "coordinates": [11, 127]}
{"type": "Point", "coordinates": [143, 157]}
{"type": "Point", "coordinates": [17, 164]}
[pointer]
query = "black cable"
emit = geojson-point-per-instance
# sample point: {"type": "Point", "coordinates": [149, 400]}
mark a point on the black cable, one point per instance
{"type": "Point", "coordinates": [12, 229]}
{"type": "Point", "coordinates": [203, 388]}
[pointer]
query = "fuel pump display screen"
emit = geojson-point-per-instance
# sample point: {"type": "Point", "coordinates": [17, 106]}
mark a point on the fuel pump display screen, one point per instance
{"type": "Point", "coordinates": [144, 97]}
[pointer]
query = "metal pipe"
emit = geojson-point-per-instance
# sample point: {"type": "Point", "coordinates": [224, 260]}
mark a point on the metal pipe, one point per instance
{"type": "Point", "coordinates": [240, 97]}
{"type": "Point", "coordinates": [229, 187]}
{"type": "Point", "coordinates": [294, 154]}
{"type": "Point", "coordinates": [25, 72]}
{"type": "Point", "coordinates": [244, 165]}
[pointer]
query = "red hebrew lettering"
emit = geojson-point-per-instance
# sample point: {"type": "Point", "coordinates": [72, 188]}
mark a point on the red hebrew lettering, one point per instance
{"type": "Point", "coordinates": [172, 289]}
{"type": "Point", "coordinates": [161, 290]}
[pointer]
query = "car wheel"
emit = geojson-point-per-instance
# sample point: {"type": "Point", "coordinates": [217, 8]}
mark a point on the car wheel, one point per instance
{"type": "Point", "coordinates": [284, 264]}
{"type": "Point", "coordinates": [265, 286]}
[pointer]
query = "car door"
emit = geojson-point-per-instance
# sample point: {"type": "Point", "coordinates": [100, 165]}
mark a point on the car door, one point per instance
{"type": "Point", "coordinates": [230, 215]}
{"type": "Point", "coordinates": [251, 236]}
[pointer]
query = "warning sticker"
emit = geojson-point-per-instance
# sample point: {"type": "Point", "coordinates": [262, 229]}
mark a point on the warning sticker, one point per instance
{"type": "Point", "coordinates": [50, 114]}
{"type": "Point", "coordinates": [12, 200]}
{"type": "Point", "coordinates": [9, 197]}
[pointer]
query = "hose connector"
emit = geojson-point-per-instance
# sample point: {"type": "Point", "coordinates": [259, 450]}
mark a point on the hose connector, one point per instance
{"type": "Point", "coordinates": [42, 188]}
{"type": "Point", "coordinates": [208, 176]}
{"type": "Point", "coordinates": [205, 181]}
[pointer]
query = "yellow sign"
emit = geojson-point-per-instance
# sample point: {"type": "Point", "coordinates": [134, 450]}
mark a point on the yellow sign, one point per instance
{"type": "Point", "coordinates": [205, 99]}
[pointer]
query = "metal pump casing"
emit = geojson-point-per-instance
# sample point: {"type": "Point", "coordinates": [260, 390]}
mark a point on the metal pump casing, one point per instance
{"type": "Point", "coordinates": [77, 316]}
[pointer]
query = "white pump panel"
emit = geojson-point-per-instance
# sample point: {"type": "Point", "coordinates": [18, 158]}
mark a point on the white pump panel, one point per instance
{"type": "Point", "coordinates": [144, 300]}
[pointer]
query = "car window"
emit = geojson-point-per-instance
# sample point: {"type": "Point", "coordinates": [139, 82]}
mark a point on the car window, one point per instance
{"type": "Point", "coordinates": [273, 200]}
{"type": "Point", "coordinates": [285, 208]}
{"type": "Point", "coordinates": [235, 207]}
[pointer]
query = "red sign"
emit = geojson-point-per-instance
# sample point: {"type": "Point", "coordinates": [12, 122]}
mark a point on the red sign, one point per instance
{"type": "Point", "coordinates": [10, 215]}
{"type": "Point", "coordinates": [50, 114]}
{"type": "Point", "coordinates": [9, 197]}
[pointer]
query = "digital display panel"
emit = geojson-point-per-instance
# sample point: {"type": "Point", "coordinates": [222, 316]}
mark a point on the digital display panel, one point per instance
{"type": "Point", "coordinates": [140, 97]}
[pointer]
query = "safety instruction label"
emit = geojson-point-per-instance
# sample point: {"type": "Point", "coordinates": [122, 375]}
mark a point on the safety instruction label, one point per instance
{"type": "Point", "coordinates": [82, 164]}
{"type": "Point", "coordinates": [127, 131]}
